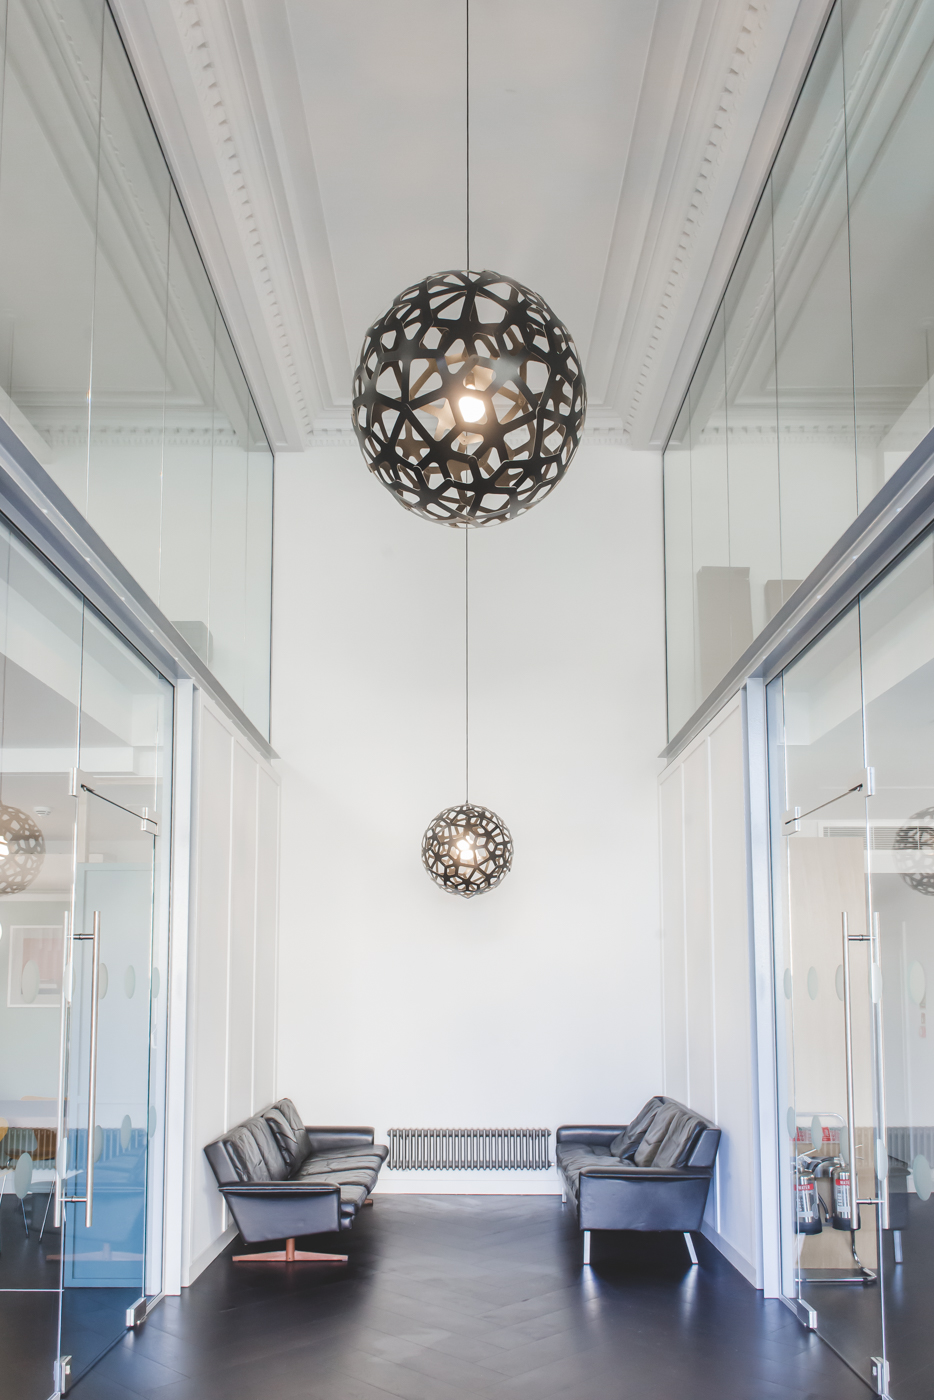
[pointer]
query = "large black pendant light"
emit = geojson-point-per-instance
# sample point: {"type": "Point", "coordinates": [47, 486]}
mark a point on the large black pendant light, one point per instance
{"type": "Point", "coordinates": [469, 400]}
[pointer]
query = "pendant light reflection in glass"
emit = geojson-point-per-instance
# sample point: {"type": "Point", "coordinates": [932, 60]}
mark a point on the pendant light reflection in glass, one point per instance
{"type": "Point", "coordinates": [467, 850]}
{"type": "Point", "coordinates": [469, 399]}
{"type": "Point", "coordinates": [22, 850]}
{"type": "Point", "coordinates": [914, 851]}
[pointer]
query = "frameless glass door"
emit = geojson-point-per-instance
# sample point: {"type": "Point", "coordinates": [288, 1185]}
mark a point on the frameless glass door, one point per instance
{"type": "Point", "coordinates": [851, 726]}
{"type": "Point", "coordinates": [112, 1244]}
{"type": "Point", "coordinates": [40, 678]}
{"type": "Point", "coordinates": [828, 1046]}
{"type": "Point", "coordinates": [108, 1091]}
{"type": "Point", "coordinates": [897, 625]}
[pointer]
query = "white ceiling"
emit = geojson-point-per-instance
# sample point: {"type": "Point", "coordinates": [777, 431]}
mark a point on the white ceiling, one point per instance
{"type": "Point", "coordinates": [616, 151]}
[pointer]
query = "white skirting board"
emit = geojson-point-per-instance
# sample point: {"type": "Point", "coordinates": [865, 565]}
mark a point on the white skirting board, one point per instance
{"type": "Point", "coordinates": [732, 1255]}
{"type": "Point", "coordinates": [207, 1256]}
{"type": "Point", "coordinates": [469, 1183]}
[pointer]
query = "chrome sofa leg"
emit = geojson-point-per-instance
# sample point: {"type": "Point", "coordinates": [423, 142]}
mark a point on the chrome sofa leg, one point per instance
{"type": "Point", "coordinates": [586, 1246]}
{"type": "Point", "coordinates": [897, 1241]}
{"type": "Point", "coordinates": [564, 1198]}
{"type": "Point", "coordinates": [690, 1244]}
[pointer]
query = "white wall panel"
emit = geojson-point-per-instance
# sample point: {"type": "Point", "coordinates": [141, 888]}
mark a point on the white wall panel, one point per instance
{"type": "Point", "coordinates": [266, 968]}
{"type": "Point", "coordinates": [207, 974]}
{"type": "Point", "coordinates": [697, 931]}
{"type": "Point", "coordinates": [704, 843]}
{"type": "Point", "coordinates": [733, 989]}
{"type": "Point", "coordinates": [232, 952]}
{"type": "Point", "coordinates": [673, 974]}
{"type": "Point", "coordinates": [242, 936]}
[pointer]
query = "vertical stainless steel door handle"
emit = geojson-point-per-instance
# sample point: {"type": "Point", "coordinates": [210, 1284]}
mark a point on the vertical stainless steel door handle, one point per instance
{"type": "Point", "coordinates": [63, 1028]}
{"type": "Point", "coordinates": [850, 1096]}
{"type": "Point", "coordinates": [857, 1200]}
{"type": "Point", "coordinates": [92, 1063]}
{"type": "Point", "coordinates": [875, 955]}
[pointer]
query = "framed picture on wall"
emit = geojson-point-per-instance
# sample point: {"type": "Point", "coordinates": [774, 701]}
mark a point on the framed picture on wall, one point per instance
{"type": "Point", "coordinates": [35, 977]}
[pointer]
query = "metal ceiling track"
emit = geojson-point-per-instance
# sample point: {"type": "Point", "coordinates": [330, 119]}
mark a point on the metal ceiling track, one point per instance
{"type": "Point", "coordinates": [46, 517]}
{"type": "Point", "coordinates": [892, 520]}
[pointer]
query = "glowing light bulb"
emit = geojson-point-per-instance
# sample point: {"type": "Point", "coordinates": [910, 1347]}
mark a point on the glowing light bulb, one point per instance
{"type": "Point", "coordinates": [466, 852]}
{"type": "Point", "coordinates": [472, 409]}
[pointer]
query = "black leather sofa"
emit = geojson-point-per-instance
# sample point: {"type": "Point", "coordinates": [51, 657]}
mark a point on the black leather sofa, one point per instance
{"type": "Point", "coordinates": [282, 1179]}
{"type": "Point", "coordinates": [652, 1174]}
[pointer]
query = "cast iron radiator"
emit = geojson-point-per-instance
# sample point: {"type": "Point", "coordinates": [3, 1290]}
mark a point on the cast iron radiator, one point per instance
{"type": "Point", "coordinates": [468, 1149]}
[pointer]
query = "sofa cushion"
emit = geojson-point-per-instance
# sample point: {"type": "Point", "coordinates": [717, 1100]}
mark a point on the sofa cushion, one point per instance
{"type": "Point", "coordinates": [654, 1134]}
{"type": "Point", "coordinates": [675, 1147]}
{"type": "Point", "coordinates": [289, 1132]}
{"type": "Point", "coordinates": [625, 1143]}
{"type": "Point", "coordinates": [377, 1150]}
{"type": "Point", "coordinates": [360, 1176]}
{"type": "Point", "coordinates": [275, 1165]}
{"type": "Point", "coordinates": [575, 1156]}
{"type": "Point", "coordinates": [244, 1150]}
{"type": "Point", "coordinates": [341, 1162]}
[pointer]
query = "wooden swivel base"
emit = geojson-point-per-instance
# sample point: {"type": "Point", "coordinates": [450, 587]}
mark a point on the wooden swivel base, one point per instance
{"type": "Point", "coordinates": [289, 1255]}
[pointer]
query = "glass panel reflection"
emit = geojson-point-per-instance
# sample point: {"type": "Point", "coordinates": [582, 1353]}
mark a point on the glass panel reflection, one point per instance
{"type": "Point", "coordinates": [828, 321]}
{"type": "Point", "coordinates": [164, 452]}
{"type": "Point", "coordinates": [128, 385]}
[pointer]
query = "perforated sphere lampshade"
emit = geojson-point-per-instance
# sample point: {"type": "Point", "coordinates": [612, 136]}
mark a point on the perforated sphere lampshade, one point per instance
{"type": "Point", "coordinates": [914, 851]}
{"type": "Point", "coordinates": [22, 850]}
{"type": "Point", "coordinates": [467, 850]}
{"type": "Point", "coordinates": [469, 399]}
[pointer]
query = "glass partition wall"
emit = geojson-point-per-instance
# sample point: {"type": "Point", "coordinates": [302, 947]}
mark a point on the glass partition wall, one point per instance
{"type": "Point", "coordinates": [852, 792]}
{"type": "Point", "coordinates": [816, 380]}
{"type": "Point", "coordinates": [85, 763]}
{"type": "Point", "coordinates": [116, 367]}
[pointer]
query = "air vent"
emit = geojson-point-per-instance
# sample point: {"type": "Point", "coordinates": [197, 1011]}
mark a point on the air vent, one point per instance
{"type": "Point", "coordinates": [468, 1149]}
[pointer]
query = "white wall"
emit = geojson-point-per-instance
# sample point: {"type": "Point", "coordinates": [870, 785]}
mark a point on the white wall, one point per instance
{"type": "Point", "coordinates": [707, 942]}
{"type": "Point", "coordinates": [231, 961]}
{"type": "Point", "coordinates": [537, 1003]}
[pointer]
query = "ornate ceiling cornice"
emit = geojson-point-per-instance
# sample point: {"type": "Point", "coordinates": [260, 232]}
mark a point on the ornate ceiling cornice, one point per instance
{"type": "Point", "coordinates": [709, 168]}
{"type": "Point", "coordinates": [220, 77]}
{"type": "Point", "coordinates": [207, 81]}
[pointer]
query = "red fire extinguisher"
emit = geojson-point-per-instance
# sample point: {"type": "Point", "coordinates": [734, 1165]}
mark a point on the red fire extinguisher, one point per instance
{"type": "Point", "coordinates": [845, 1214]}
{"type": "Point", "coordinates": [807, 1203]}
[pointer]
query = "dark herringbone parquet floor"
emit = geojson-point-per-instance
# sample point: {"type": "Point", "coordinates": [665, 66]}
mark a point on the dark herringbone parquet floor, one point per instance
{"type": "Point", "coordinates": [448, 1297]}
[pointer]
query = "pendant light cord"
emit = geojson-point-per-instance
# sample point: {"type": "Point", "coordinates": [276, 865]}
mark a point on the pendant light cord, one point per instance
{"type": "Point", "coordinates": [467, 530]}
{"type": "Point", "coordinates": [467, 664]}
{"type": "Point", "coordinates": [467, 114]}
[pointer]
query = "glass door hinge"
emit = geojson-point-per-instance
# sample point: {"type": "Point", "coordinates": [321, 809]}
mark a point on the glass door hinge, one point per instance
{"type": "Point", "coordinates": [62, 1375]}
{"type": "Point", "coordinates": [136, 1313]}
{"type": "Point", "coordinates": [880, 1375]}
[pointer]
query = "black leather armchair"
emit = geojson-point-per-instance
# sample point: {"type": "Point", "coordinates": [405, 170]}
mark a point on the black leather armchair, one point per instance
{"type": "Point", "coordinates": [281, 1179]}
{"type": "Point", "coordinates": [652, 1174]}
